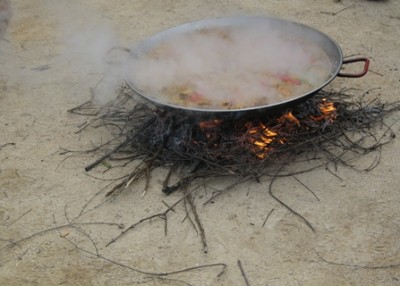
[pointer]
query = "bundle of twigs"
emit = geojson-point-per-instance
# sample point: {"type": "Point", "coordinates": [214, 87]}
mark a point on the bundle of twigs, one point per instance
{"type": "Point", "coordinates": [329, 128]}
{"type": "Point", "coordinates": [331, 124]}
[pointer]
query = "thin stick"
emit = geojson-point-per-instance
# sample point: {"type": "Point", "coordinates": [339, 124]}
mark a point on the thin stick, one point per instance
{"type": "Point", "coordinates": [339, 11]}
{"type": "Point", "coordinates": [21, 216]}
{"type": "Point", "coordinates": [187, 216]}
{"type": "Point", "coordinates": [287, 207]}
{"type": "Point", "coordinates": [77, 109]}
{"type": "Point", "coordinates": [190, 199]}
{"type": "Point", "coordinates": [223, 265]}
{"type": "Point", "coordinates": [15, 243]}
{"type": "Point", "coordinates": [167, 205]}
{"type": "Point", "coordinates": [162, 215]}
{"type": "Point", "coordinates": [7, 144]}
{"type": "Point", "coordinates": [388, 266]}
{"type": "Point", "coordinates": [246, 281]}
{"type": "Point", "coordinates": [105, 156]}
{"type": "Point", "coordinates": [268, 215]}
{"type": "Point", "coordinates": [333, 174]}
{"type": "Point", "coordinates": [155, 274]}
{"type": "Point", "coordinates": [304, 185]}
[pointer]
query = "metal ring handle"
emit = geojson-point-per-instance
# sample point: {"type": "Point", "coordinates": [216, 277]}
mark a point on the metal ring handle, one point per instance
{"type": "Point", "coordinates": [353, 60]}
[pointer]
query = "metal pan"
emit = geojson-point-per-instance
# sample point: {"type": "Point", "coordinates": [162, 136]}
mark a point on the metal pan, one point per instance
{"type": "Point", "coordinates": [290, 37]}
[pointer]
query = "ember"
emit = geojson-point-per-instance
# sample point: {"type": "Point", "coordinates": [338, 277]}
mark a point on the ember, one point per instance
{"type": "Point", "coordinates": [258, 136]}
{"type": "Point", "coordinates": [328, 111]}
{"type": "Point", "coordinates": [210, 124]}
{"type": "Point", "coordinates": [261, 138]}
{"type": "Point", "coordinates": [264, 136]}
{"type": "Point", "coordinates": [290, 117]}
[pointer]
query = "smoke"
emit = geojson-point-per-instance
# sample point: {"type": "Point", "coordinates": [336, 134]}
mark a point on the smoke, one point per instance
{"type": "Point", "coordinates": [229, 63]}
{"type": "Point", "coordinates": [89, 41]}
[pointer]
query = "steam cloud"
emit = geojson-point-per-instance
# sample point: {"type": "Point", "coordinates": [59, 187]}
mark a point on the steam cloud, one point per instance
{"type": "Point", "coordinates": [227, 63]}
{"type": "Point", "coordinates": [89, 40]}
{"type": "Point", "coordinates": [223, 65]}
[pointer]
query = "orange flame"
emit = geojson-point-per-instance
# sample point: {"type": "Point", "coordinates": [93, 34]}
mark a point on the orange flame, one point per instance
{"type": "Point", "coordinates": [328, 108]}
{"type": "Point", "coordinates": [328, 111]}
{"type": "Point", "coordinates": [263, 137]}
{"type": "Point", "coordinates": [289, 116]}
{"type": "Point", "coordinates": [260, 139]}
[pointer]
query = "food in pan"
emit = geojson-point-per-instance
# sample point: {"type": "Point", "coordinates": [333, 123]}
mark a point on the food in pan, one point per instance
{"type": "Point", "coordinates": [229, 68]}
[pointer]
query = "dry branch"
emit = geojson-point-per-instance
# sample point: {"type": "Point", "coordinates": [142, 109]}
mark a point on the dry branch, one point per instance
{"type": "Point", "coordinates": [246, 281]}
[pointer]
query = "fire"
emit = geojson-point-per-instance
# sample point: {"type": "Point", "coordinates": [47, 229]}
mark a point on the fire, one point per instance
{"type": "Point", "coordinates": [260, 138]}
{"type": "Point", "coordinates": [290, 117]}
{"type": "Point", "coordinates": [328, 109]}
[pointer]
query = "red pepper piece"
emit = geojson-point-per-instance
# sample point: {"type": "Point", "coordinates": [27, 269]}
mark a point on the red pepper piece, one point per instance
{"type": "Point", "coordinates": [289, 79]}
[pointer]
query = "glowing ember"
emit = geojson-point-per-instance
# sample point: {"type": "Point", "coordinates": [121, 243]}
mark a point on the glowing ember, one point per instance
{"type": "Point", "coordinates": [266, 136]}
{"type": "Point", "coordinates": [289, 116]}
{"type": "Point", "coordinates": [210, 124]}
{"type": "Point", "coordinates": [260, 138]}
{"type": "Point", "coordinates": [328, 109]}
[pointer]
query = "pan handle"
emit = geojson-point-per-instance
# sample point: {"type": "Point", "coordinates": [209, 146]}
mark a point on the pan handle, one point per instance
{"type": "Point", "coordinates": [353, 60]}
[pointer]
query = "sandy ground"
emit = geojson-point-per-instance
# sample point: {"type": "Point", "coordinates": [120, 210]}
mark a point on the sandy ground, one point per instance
{"type": "Point", "coordinates": [357, 219]}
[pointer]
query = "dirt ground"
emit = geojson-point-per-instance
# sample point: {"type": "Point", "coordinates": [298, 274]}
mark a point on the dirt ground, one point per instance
{"type": "Point", "coordinates": [357, 217]}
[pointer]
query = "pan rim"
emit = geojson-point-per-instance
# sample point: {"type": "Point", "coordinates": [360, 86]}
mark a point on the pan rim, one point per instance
{"type": "Point", "coordinates": [221, 21]}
